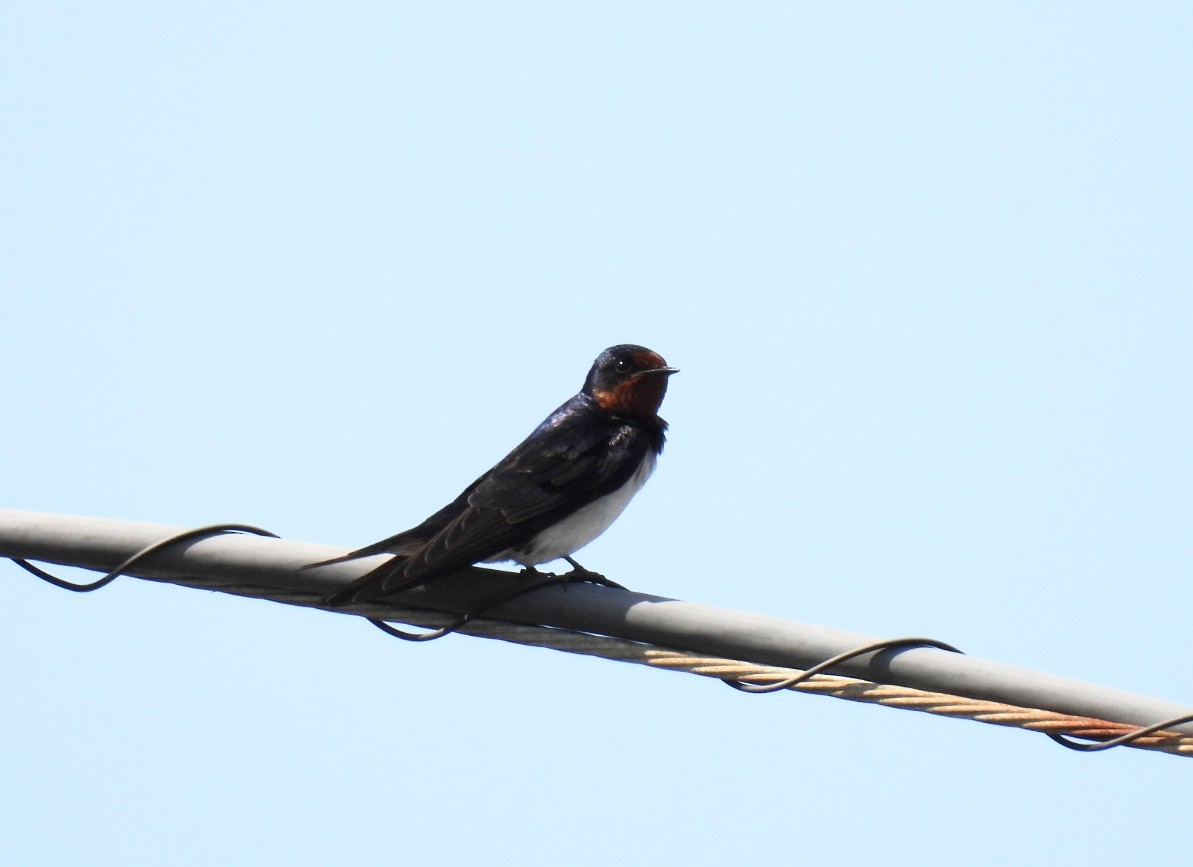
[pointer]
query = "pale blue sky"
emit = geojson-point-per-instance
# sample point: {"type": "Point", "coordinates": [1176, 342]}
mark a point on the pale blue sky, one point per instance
{"type": "Point", "coordinates": [925, 268]}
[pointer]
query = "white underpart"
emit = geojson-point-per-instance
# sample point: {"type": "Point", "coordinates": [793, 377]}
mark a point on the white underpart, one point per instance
{"type": "Point", "coordinates": [585, 524]}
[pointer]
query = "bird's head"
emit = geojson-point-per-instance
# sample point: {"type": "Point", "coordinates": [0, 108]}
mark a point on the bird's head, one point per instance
{"type": "Point", "coordinates": [629, 380]}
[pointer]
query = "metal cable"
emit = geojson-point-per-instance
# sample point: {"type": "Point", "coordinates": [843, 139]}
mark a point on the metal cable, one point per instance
{"type": "Point", "coordinates": [1106, 734]}
{"type": "Point", "coordinates": [744, 676]}
{"type": "Point", "coordinates": [1127, 738]}
{"type": "Point", "coordinates": [464, 619]}
{"type": "Point", "coordinates": [184, 536]}
{"type": "Point", "coordinates": [886, 644]}
{"type": "Point", "coordinates": [579, 575]}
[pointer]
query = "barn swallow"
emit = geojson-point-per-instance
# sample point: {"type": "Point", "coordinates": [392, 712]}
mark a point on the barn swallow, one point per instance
{"type": "Point", "coordinates": [552, 495]}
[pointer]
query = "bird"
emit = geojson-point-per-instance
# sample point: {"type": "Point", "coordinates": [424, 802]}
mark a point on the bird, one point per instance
{"type": "Point", "coordinates": [559, 489]}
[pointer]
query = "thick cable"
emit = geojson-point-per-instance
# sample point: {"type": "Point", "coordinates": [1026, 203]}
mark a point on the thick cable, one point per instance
{"type": "Point", "coordinates": [885, 644]}
{"type": "Point", "coordinates": [1056, 725]}
{"type": "Point", "coordinates": [489, 604]}
{"type": "Point", "coordinates": [746, 676]}
{"type": "Point", "coordinates": [752, 677]}
{"type": "Point", "coordinates": [1121, 740]}
{"type": "Point", "coordinates": [177, 538]}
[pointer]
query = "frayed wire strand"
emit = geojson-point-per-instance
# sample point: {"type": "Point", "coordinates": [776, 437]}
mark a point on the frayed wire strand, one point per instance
{"type": "Point", "coordinates": [148, 550]}
{"type": "Point", "coordinates": [1121, 740]}
{"type": "Point", "coordinates": [885, 644]}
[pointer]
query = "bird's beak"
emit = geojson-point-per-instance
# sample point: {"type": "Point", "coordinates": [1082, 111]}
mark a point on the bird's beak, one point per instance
{"type": "Point", "coordinates": [666, 370]}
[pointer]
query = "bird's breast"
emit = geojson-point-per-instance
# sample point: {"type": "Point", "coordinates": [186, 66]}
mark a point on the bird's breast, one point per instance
{"type": "Point", "coordinates": [569, 535]}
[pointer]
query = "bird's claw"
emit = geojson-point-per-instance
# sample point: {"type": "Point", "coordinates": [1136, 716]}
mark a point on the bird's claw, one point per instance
{"type": "Point", "coordinates": [579, 573]}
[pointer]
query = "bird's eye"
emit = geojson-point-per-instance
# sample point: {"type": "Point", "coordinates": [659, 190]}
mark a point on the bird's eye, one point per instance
{"type": "Point", "coordinates": [623, 366]}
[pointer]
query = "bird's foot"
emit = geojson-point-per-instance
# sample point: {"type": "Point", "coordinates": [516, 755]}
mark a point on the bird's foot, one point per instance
{"type": "Point", "coordinates": [579, 573]}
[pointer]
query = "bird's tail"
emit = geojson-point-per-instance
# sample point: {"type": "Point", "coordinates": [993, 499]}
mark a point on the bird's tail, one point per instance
{"type": "Point", "coordinates": [404, 543]}
{"type": "Point", "coordinates": [368, 586]}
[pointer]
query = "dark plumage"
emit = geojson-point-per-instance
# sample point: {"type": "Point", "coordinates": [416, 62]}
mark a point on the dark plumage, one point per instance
{"type": "Point", "coordinates": [557, 491]}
